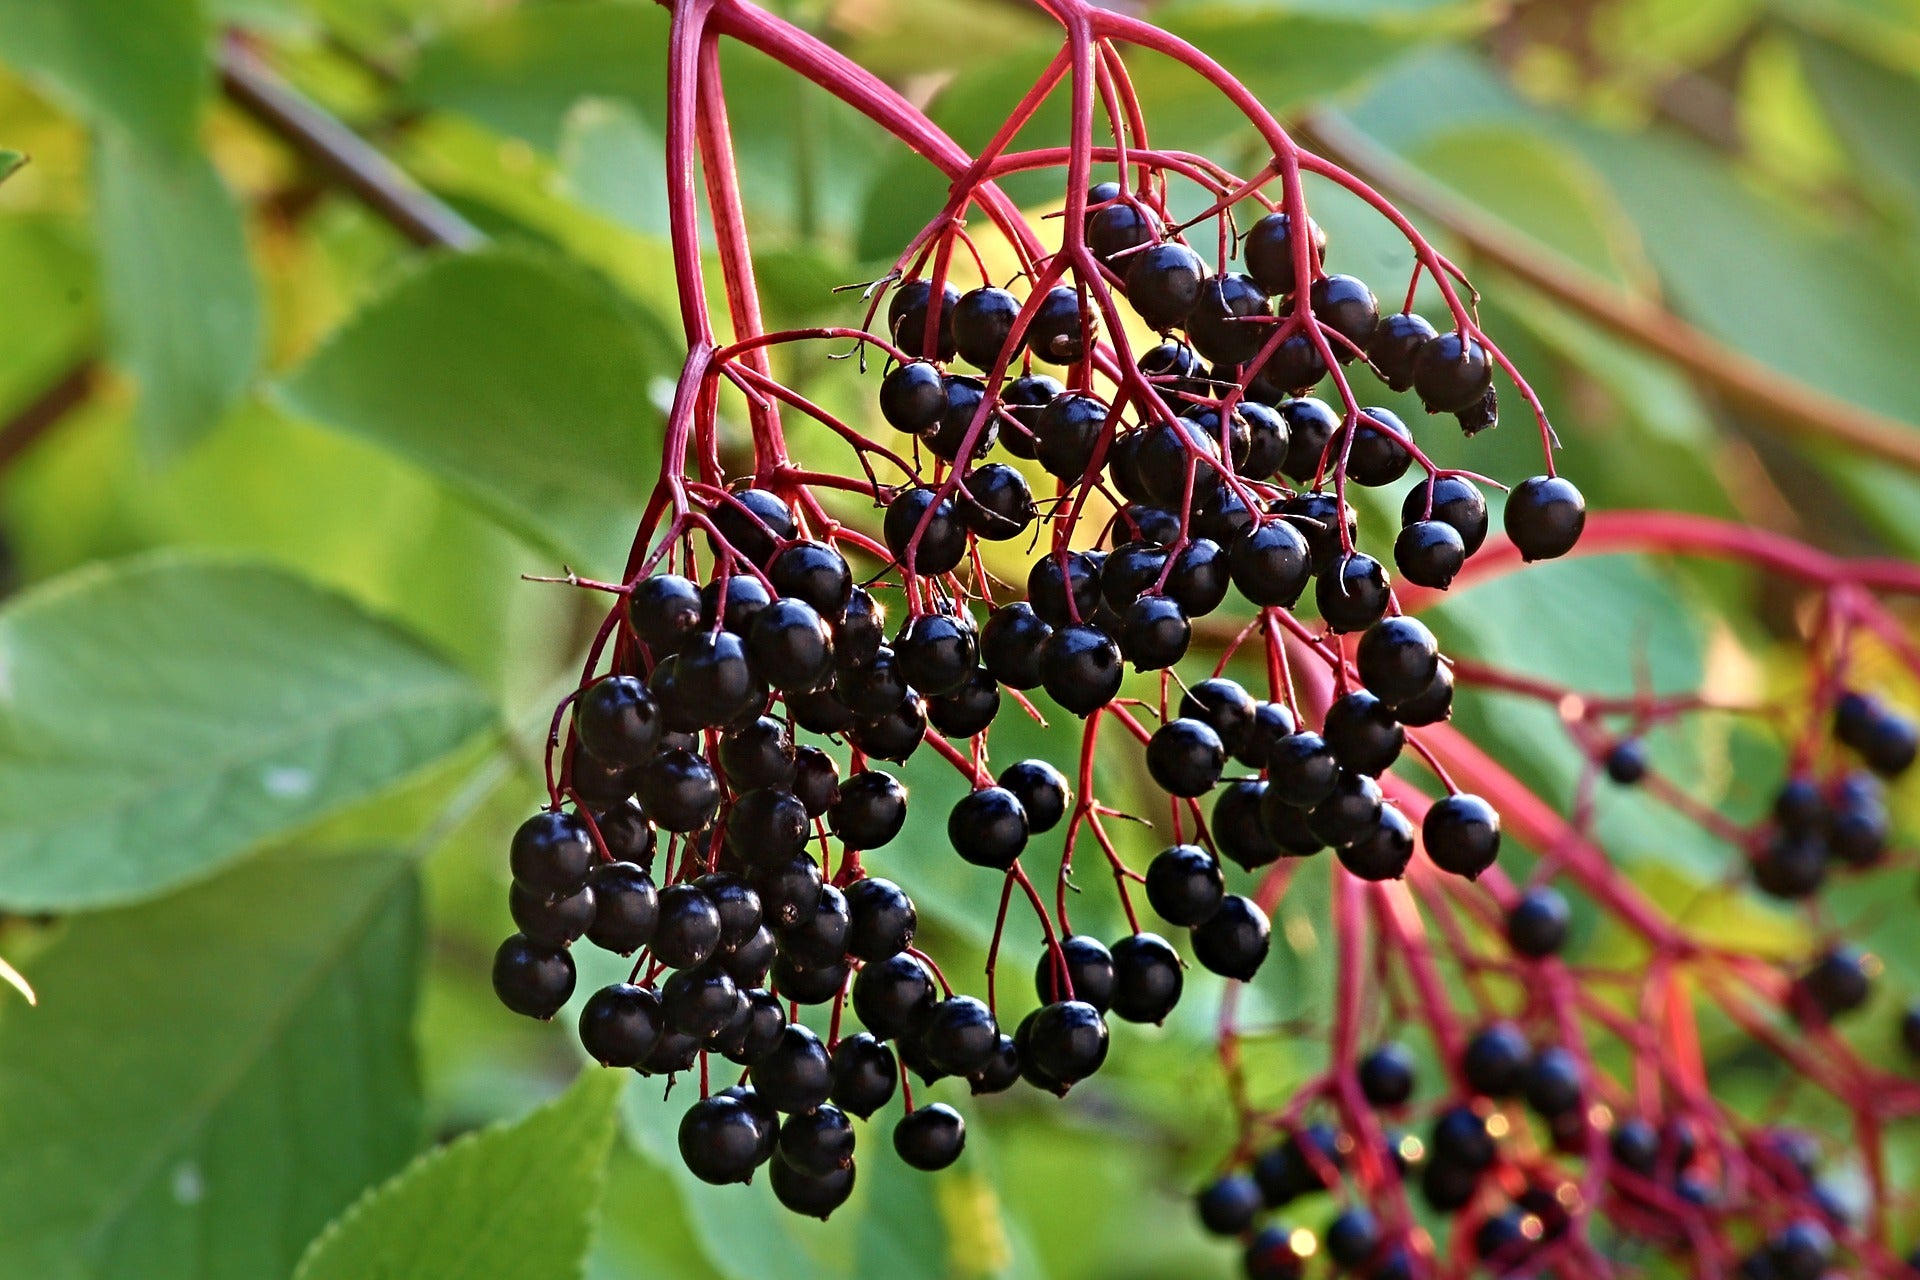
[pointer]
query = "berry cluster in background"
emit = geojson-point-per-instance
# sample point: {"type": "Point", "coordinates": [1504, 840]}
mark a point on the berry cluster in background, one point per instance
{"type": "Point", "coordinates": [1199, 592]}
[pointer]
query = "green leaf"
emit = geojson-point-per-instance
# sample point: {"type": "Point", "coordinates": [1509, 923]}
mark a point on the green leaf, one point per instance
{"type": "Point", "coordinates": [513, 1202]}
{"type": "Point", "coordinates": [1873, 110]}
{"type": "Point", "coordinates": [210, 1078]}
{"type": "Point", "coordinates": [182, 303]}
{"type": "Point", "coordinates": [9, 162]}
{"type": "Point", "coordinates": [160, 716]}
{"type": "Point", "coordinates": [525, 382]}
{"type": "Point", "coordinates": [140, 64]}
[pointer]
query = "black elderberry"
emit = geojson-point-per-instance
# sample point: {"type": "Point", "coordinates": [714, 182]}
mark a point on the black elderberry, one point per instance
{"type": "Point", "coordinates": [1088, 970]}
{"type": "Point", "coordinates": [1353, 594]}
{"type": "Point", "coordinates": [1154, 633]}
{"type": "Point", "coordinates": [552, 854]}
{"type": "Point", "coordinates": [1222, 705]}
{"type": "Point", "coordinates": [930, 1137]}
{"type": "Point", "coordinates": [958, 1035]}
{"type": "Point", "coordinates": [1551, 1082]}
{"type": "Point", "coordinates": [664, 611]}
{"type": "Point", "coordinates": [1286, 826]}
{"type": "Point", "coordinates": [1219, 514]}
{"type": "Point", "coordinates": [1448, 1186]}
{"type": "Point", "coordinates": [816, 779]}
{"type": "Point", "coordinates": [1353, 1237]}
{"type": "Point", "coordinates": [1178, 373]}
{"type": "Point", "coordinates": [1396, 345]}
{"type": "Point", "coordinates": [988, 828]}
{"type": "Point", "coordinates": [1041, 790]}
{"type": "Point", "coordinates": [1275, 1253]}
{"type": "Point", "coordinates": [1065, 587]}
{"type": "Point", "coordinates": [1318, 517]}
{"type": "Point", "coordinates": [1147, 978]}
{"type": "Point", "coordinates": [873, 690]}
{"type": "Point", "coordinates": [719, 1140]}
{"type": "Point", "coordinates": [1454, 501]}
{"type": "Point", "coordinates": [820, 710]}
{"type": "Point", "coordinates": [1461, 834]}
{"type": "Point", "coordinates": [969, 709]}
{"type": "Point", "coordinates": [1495, 1060]}
{"type": "Point", "coordinates": [758, 754]}
{"type": "Point", "coordinates": [789, 891]}
{"type": "Point", "coordinates": [1537, 924]}
{"type": "Point", "coordinates": [1384, 852]}
{"type": "Point", "coordinates": [807, 1195]}
{"type": "Point", "coordinates": [673, 1052]}
{"type": "Point", "coordinates": [937, 652]}
{"type": "Point", "coordinates": [1311, 427]}
{"type": "Point", "coordinates": [1185, 885]}
{"type": "Point", "coordinates": [1635, 1145]}
{"type": "Point", "coordinates": [1387, 1075]}
{"type": "Point", "coordinates": [1295, 367]}
{"type": "Point", "coordinates": [688, 928]}
{"type": "Point", "coordinates": [626, 907]}
{"type": "Point", "coordinates": [892, 997]}
{"type": "Point", "coordinates": [1233, 941]}
{"type": "Point", "coordinates": [753, 522]}
{"type": "Point", "coordinates": [1346, 306]}
{"type": "Point", "coordinates": [1857, 827]}
{"type": "Point", "coordinates": [796, 1074]}
{"type": "Point", "coordinates": [700, 1002]}
{"type": "Point", "coordinates": [859, 631]}
{"type": "Point", "coordinates": [1308, 1162]}
{"type": "Point", "coordinates": [1271, 563]}
{"type": "Point", "coordinates": [1544, 517]}
{"type": "Point", "coordinates": [1350, 812]}
{"type": "Point", "coordinates": [1430, 707]}
{"type": "Point", "coordinates": [1268, 249]}
{"type": "Point", "coordinates": [808, 984]}
{"type": "Point", "coordinates": [1022, 399]}
{"type": "Point", "coordinates": [1067, 432]}
{"type": "Point", "coordinates": [1119, 227]}
{"type": "Point", "coordinates": [1063, 329]}
{"type": "Point", "coordinates": [913, 397]}
{"type": "Point", "coordinates": [1302, 770]}
{"type": "Point", "coordinates": [924, 532]}
{"type": "Point", "coordinates": [1397, 659]}
{"type": "Point", "coordinates": [1361, 732]}
{"type": "Point", "coordinates": [1013, 643]}
{"type": "Point", "coordinates": [626, 833]}
{"type": "Point", "coordinates": [1185, 757]}
{"type": "Point", "coordinates": [1837, 982]}
{"type": "Point", "coordinates": [766, 827]}
{"type": "Point", "coordinates": [618, 720]}
{"type": "Point", "coordinates": [816, 573]}
{"type": "Point", "coordinates": [737, 904]}
{"type": "Point", "coordinates": [1271, 722]}
{"type": "Point", "coordinates": [819, 940]}
{"type": "Point", "coordinates": [1065, 1042]}
{"type": "Point", "coordinates": [714, 681]}
{"type": "Point", "coordinates": [1801, 1250]}
{"type": "Point", "coordinates": [1460, 1137]}
{"type": "Point", "coordinates": [1429, 554]}
{"type": "Point", "coordinates": [818, 1142]}
{"type": "Point", "coordinates": [914, 1058]}
{"type": "Point", "coordinates": [1199, 577]}
{"type": "Point", "coordinates": [601, 784]}
{"type": "Point", "coordinates": [1167, 450]}
{"type": "Point", "coordinates": [1228, 1205]}
{"type": "Point", "coordinates": [864, 1075]}
{"type": "Point", "coordinates": [552, 921]}
{"type": "Point", "coordinates": [1378, 455]}
{"type": "Point", "coordinates": [1002, 1071]}
{"type": "Point", "coordinates": [1223, 323]}
{"type": "Point", "coordinates": [1503, 1240]}
{"type": "Point", "coordinates": [881, 919]}
{"type": "Point", "coordinates": [996, 502]}
{"type": "Point", "coordinates": [1163, 284]}
{"type": "Point", "coordinates": [1887, 742]}
{"type": "Point", "coordinates": [532, 978]}
{"type": "Point", "coordinates": [982, 325]}
{"type": "Point", "coordinates": [1123, 466]}
{"type": "Point", "coordinates": [1080, 666]}
{"type": "Point", "coordinates": [870, 811]}
{"type": "Point", "coordinates": [754, 1030]}
{"type": "Point", "coordinates": [1239, 827]}
{"type": "Point", "coordinates": [907, 317]}
{"type": "Point", "coordinates": [1130, 571]}
{"type": "Point", "coordinates": [620, 1024]}
{"type": "Point", "coordinates": [1451, 373]}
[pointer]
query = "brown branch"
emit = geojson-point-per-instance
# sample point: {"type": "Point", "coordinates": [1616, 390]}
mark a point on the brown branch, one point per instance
{"type": "Point", "coordinates": [1781, 404]}
{"type": "Point", "coordinates": [25, 428]}
{"type": "Point", "coordinates": [340, 154]}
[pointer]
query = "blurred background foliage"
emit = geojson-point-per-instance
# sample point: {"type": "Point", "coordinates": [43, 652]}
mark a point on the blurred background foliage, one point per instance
{"type": "Point", "coordinates": [272, 687]}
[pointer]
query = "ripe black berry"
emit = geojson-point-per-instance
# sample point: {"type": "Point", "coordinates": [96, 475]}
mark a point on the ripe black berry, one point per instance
{"type": "Point", "coordinates": [664, 611]}
{"type": "Point", "coordinates": [720, 1140]}
{"type": "Point", "coordinates": [1387, 1075]}
{"type": "Point", "coordinates": [1461, 834]}
{"type": "Point", "coordinates": [1222, 705]}
{"type": "Point", "coordinates": [1089, 972]}
{"type": "Point", "coordinates": [1537, 925]}
{"type": "Point", "coordinates": [1271, 563]}
{"type": "Point", "coordinates": [700, 1002]}
{"type": "Point", "coordinates": [1429, 554]}
{"type": "Point", "coordinates": [1233, 941]}
{"type": "Point", "coordinates": [1147, 978]}
{"type": "Point", "coordinates": [1345, 305]}
{"type": "Point", "coordinates": [1378, 455]}
{"type": "Point", "coordinates": [1350, 812]}
{"type": "Point", "coordinates": [982, 323]}
{"type": "Point", "coordinates": [688, 931]}
{"type": "Point", "coordinates": [1551, 1082]}
{"type": "Point", "coordinates": [816, 573]}
{"type": "Point", "coordinates": [816, 779]}
{"type": "Point", "coordinates": [1012, 644]}
{"type": "Point", "coordinates": [551, 854]}
{"type": "Point", "coordinates": [1067, 432]}
{"type": "Point", "coordinates": [924, 532]}
{"type": "Point", "coordinates": [807, 1195]}
{"type": "Point", "coordinates": [891, 997]}
{"type": "Point", "coordinates": [1268, 250]}
{"type": "Point", "coordinates": [1065, 1042]}
{"type": "Point", "coordinates": [988, 828]}
{"type": "Point", "coordinates": [601, 784]}
{"type": "Point", "coordinates": [1275, 1253]}
{"type": "Point", "coordinates": [1302, 770]}
{"type": "Point", "coordinates": [1221, 322]}
{"type": "Point", "coordinates": [1063, 328]}
{"type": "Point", "coordinates": [1452, 500]}
{"type": "Point", "coordinates": [1362, 733]}
{"type": "Point", "coordinates": [1199, 577]}
{"type": "Point", "coordinates": [959, 1035]}
{"type": "Point", "coordinates": [789, 891]}
{"type": "Point", "coordinates": [907, 316]}
{"type": "Point", "coordinates": [673, 1052]}
{"type": "Point", "coordinates": [679, 791]}
{"type": "Point", "coordinates": [1185, 757]}
{"type": "Point", "coordinates": [532, 978]}
{"type": "Point", "coordinates": [1838, 982]}
{"type": "Point", "coordinates": [931, 1137]}
{"type": "Point", "coordinates": [1384, 852]}
{"type": "Point", "coordinates": [759, 754]}
{"type": "Point", "coordinates": [1228, 1205]}
{"type": "Point", "coordinates": [875, 689]}
{"type": "Point", "coordinates": [1119, 227]}
{"type": "Point", "coordinates": [1495, 1060]}
{"type": "Point", "coordinates": [752, 521]}
{"type": "Point", "coordinates": [626, 832]}
{"type": "Point", "coordinates": [1544, 517]}
{"type": "Point", "coordinates": [870, 811]}
{"type": "Point", "coordinates": [1801, 1250]}
{"type": "Point", "coordinates": [626, 907]}
{"type": "Point", "coordinates": [913, 397]}
{"type": "Point", "coordinates": [1184, 884]}
{"type": "Point", "coordinates": [1318, 517]}
{"type": "Point", "coordinates": [996, 502]}
{"type": "Point", "coordinates": [553, 921]}
{"type": "Point", "coordinates": [1041, 790]}
{"type": "Point", "coordinates": [819, 939]}
{"type": "Point", "coordinates": [1460, 1137]}
{"type": "Point", "coordinates": [864, 1075]}
{"type": "Point", "coordinates": [1395, 345]}
{"type": "Point", "coordinates": [766, 827]}
{"type": "Point", "coordinates": [1052, 579]}
{"type": "Point", "coordinates": [1239, 829]}
{"type": "Point", "coordinates": [937, 652]}
{"type": "Point", "coordinates": [1353, 594]}
{"type": "Point", "coordinates": [754, 1030]}
{"type": "Point", "coordinates": [1002, 1071]}
{"type": "Point", "coordinates": [1081, 668]}
{"type": "Point", "coordinates": [1397, 659]}
{"type": "Point", "coordinates": [1163, 284]}
{"type": "Point", "coordinates": [1154, 633]}
{"type": "Point", "coordinates": [796, 1074]}
{"type": "Point", "coordinates": [818, 1142]}
{"type": "Point", "coordinates": [618, 720]}
{"type": "Point", "coordinates": [1452, 373]}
